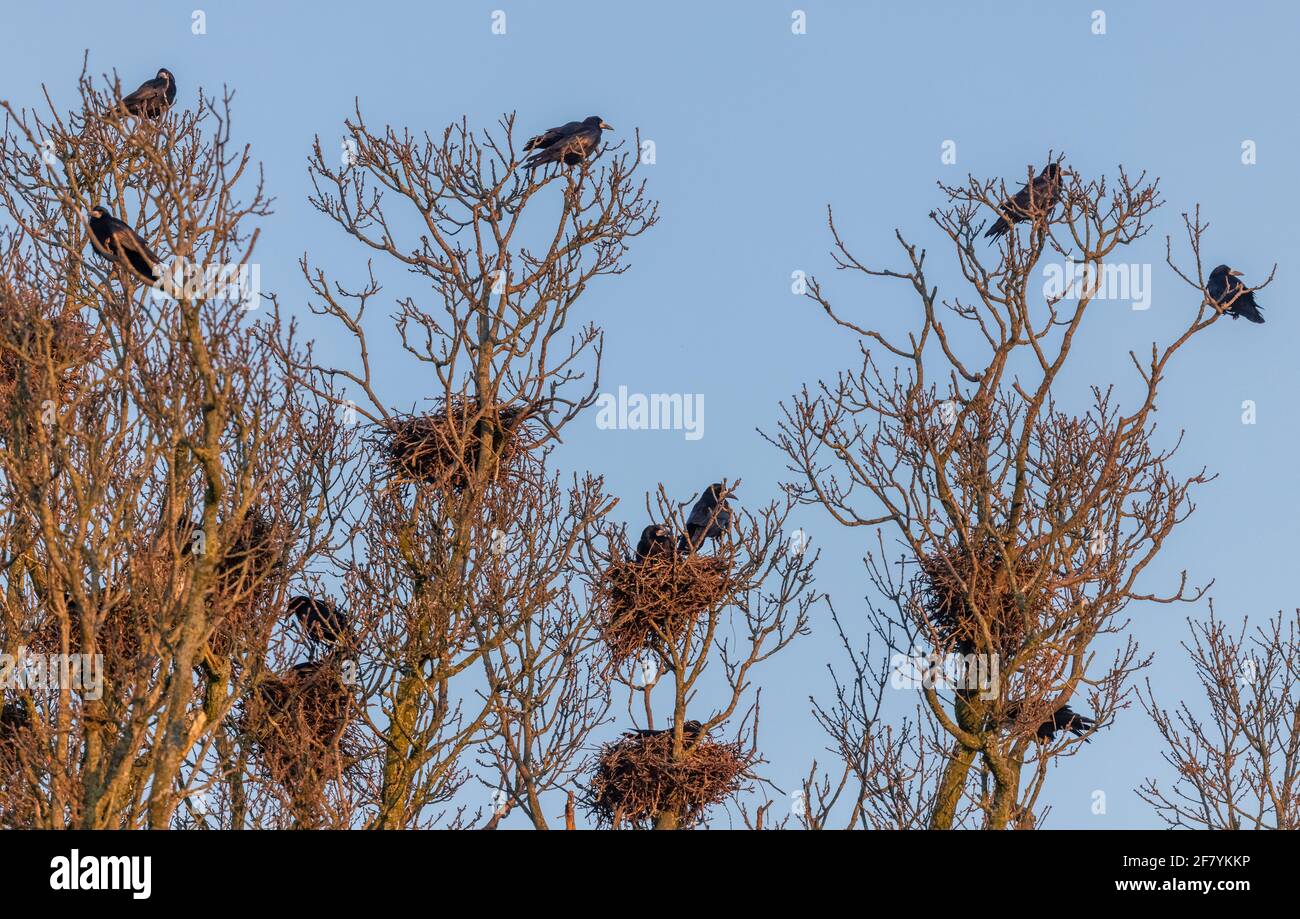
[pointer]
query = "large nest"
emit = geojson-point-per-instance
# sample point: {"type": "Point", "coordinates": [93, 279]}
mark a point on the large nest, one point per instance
{"type": "Point", "coordinates": [14, 721]}
{"type": "Point", "coordinates": [652, 604]}
{"type": "Point", "coordinates": [246, 575]}
{"type": "Point", "coordinates": [636, 779]}
{"type": "Point", "coordinates": [962, 593]}
{"type": "Point", "coordinates": [298, 722]}
{"type": "Point", "coordinates": [247, 562]}
{"type": "Point", "coordinates": [18, 796]}
{"type": "Point", "coordinates": [72, 349]}
{"type": "Point", "coordinates": [441, 448]}
{"type": "Point", "coordinates": [23, 356]}
{"type": "Point", "coordinates": [118, 630]}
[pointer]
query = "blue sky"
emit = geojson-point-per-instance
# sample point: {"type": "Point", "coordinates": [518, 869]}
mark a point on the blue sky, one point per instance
{"type": "Point", "coordinates": [756, 130]}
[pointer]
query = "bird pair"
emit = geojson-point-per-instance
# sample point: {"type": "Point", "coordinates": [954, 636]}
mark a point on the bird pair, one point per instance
{"type": "Point", "coordinates": [709, 519]}
{"type": "Point", "coordinates": [110, 237]}
{"type": "Point", "coordinates": [1225, 289]}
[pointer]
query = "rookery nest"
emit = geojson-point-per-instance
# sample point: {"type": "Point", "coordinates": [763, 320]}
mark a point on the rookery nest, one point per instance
{"type": "Point", "coordinates": [962, 593]}
{"type": "Point", "coordinates": [299, 722]}
{"type": "Point", "coordinates": [23, 356]}
{"type": "Point", "coordinates": [653, 603]}
{"type": "Point", "coordinates": [636, 779]}
{"type": "Point", "coordinates": [441, 448]}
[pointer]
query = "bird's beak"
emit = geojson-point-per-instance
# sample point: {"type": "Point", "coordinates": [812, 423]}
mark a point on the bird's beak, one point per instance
{"type": "Point", "coordinates": [1235, 274]}
{"type": "Point", "coordinates": [606, 127]}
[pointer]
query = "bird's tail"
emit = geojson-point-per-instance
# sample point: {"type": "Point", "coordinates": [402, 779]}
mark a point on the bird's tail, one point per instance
{"type": "Point", "coordinates": [998, 228]}
{"type": "Point", "coordinates": [1250, 311]}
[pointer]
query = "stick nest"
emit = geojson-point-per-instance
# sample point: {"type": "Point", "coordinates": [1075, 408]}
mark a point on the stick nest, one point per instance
{"type": "Point", "coordinates": [117, 634]}
{"type": "Point", "coordinates": [653, 604]}
{"type": "Point", "coordinates": [962, 593]}
{"type": "Point", "coordinates": [441, 448]}
{"type": "Point", "coordinates": [636, 779]}
{"type": "Point", "coordinates": [71, 348]}
{"type": "Point", "coordinates": [14, 720]}
{"type": "Point", "coordinates": [298, 722]}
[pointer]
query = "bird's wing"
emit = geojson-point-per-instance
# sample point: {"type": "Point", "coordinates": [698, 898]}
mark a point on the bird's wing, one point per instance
{"type": "Point", "coordinates": [127, 240]}
{"type": "Point", "coordinates": [148, 90]}
{"type": "Point", "coordinates": [1022, 196]}
{"type": "Point", "coordinates": [101, 247]}
{"type": "Point", "coordinates": [551, 135]}
{"type": "Point", "coordinates": [1246, 306]}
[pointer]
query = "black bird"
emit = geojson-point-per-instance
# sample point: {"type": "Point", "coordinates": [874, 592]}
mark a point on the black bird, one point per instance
{"type": "Point", "coordinates": [690, 730]}
{"type": "Point", "coordinates": [320, 620]}
{"type": "Point", "coordinates": [153, 97]}
{"type": "Point", "coordinates": [1224, 285]}
{"type": "Point", "coordinates": [1035, 199]}
{"type": "Point", "coordinates": [710, 517]}
{"type": "Point", "coordinates": [569, 143]}
{"type": "Point", "coordinates": [116, 241]}
{"type": "Point", "coordinates": [1064, 719]}
{"type": "Point", "coordinates": [655, 540]}
{"type": "Point", "coordinates": [304, 671]}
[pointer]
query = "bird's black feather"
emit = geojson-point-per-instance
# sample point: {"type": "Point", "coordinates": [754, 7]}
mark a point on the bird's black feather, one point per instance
{"type": "Point", "coordinates": [1036, 198]}
{"type": "Point", "coordinates": [1228, 291]}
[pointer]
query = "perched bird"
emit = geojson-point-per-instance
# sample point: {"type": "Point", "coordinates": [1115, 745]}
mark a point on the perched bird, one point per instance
{"type": "Point", "coordinates": [304, 671]}
{"type": "Point", "coordinates": [1035, 199]}
{"type": "Point", "coordinates": [710, 517]}
{"type": "Point", "coordinates": [117, 242]}
{"type": "Point", "coordinates": [655, 540]}
{"type": "Point", "coordinates": [690, 730]}
{"type": "Point", "coordinates": [1064, 719]}
{"type": "Point", "coordinates": [1224, 286]}
{"type": "Point", "coordinates": [153, 97]}
{"type": "Point", "coordinates": [569, 143]}
{"type": "Point", "coordinates": [320, 620]}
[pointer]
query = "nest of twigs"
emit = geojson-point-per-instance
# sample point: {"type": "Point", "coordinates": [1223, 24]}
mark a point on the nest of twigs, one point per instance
{"type": "Point", "coordinates": [245, 575]}
{"type": "Point", "coordinates": [19, 798]}
{"type": "Point", "coordinates": [441, 448]}
{"type": "Point", "coordinates": [117, 633]}
{"type": "Point", "coordinates": [14, 719]}
{"type": "Point", "coordinates": [71, 347]}
{"type": "Point", "coordinates": [252, 555]}
{"type": "Point", "coordinates": [963, 593]}
{"type": "Point", "coordinates": [652, 604]}
{"type": "Point", "coordinates": [298, 722]}
{"type": "Point", "coordinates": [637, 779]}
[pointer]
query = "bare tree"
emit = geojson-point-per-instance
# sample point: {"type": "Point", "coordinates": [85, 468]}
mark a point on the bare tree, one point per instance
{"type": "Point", "coordinates": [682, 618]}
{"type": "Point", "coordinates": [1238, 766]}
{"type": "Point", "coordinates": [461, 570]}
{"type": "Point", "coordinates": [1023, 525]}
{"type": "Point", "coordinates": [157, 471]}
